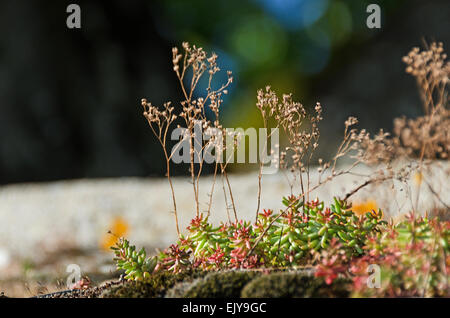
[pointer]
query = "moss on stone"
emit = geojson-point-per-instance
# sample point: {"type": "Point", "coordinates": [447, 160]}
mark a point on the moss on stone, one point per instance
{"type": "Point", "coordinates": [220, 285]}
{"type": "Point", "coordinates": [153, 287]}
{"type": "Point", "coordinates": [290, 285]}
{"type": "Point", "coordinates": [247, 284]}
{"type": "Point", "coordinates": [179, 289]}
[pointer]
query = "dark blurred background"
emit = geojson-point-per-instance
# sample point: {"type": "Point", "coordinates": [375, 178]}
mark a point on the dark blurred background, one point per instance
{"type": "Point", "coordinates": [70, 99]}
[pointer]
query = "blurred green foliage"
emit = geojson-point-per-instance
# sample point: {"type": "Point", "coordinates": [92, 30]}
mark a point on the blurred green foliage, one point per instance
{"type": "Point", "coordinates": [284, 43]}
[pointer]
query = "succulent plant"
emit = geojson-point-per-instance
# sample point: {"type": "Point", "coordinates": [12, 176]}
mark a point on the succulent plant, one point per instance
{"type": "Point", "coordinates": [308, 226]}
{"type": "Point", "coordinates": [274, 240]}
{"type": "Point", "coordinates": [136, 264]}
{"type": "Point", "coordinates": [174, 259]}
{"type": "Point", "coordinates": [412, 259]}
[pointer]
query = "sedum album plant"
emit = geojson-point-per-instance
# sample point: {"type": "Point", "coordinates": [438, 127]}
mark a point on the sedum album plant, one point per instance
{"type": "Point", "coordinates": [275, 240]}
{"type": "Point", "coordinates": [197, 101]}
{"type": "Point", "coordinates": [300, 128]}
{"type": "Point", "coordinates": [412, 257]}
{"type": "Point", "coordinates": [135, 263]}
{"type": "Point", "coordinates": [413, 254]}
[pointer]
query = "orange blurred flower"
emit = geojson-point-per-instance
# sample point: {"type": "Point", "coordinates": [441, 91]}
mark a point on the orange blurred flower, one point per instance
{"type": "Point", "coordinates": [118, 228]}
{"type": "Point", "coordinates": [361, 208]}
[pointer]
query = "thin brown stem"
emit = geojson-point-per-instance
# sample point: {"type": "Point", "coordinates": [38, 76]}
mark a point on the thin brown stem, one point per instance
{"type": "Point", "coordinates": [212, 190]}
{"type": "Point", "coordinates": [231, 194]}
